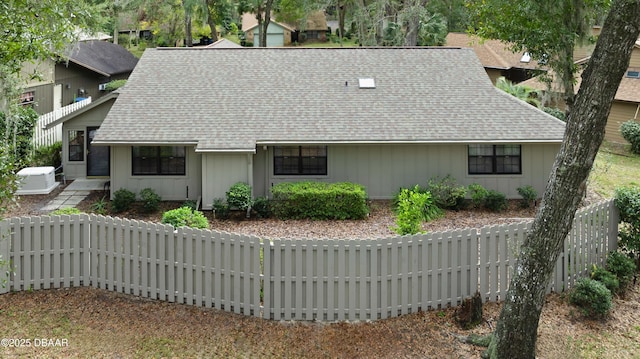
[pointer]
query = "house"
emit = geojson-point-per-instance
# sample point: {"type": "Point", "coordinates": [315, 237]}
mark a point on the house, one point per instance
{"type": "Point", "coordinates": [79, 158]}
{"type": "Point", "coordinates": [89, 65]}
{"type": "Point", "coordinates": [382, 117]}
{"type": "Point", "coordinates": [314, 28]}
{"type": "Point", "coordinates": [496, 57]}
{"type": "Point", "coordinates": [278, 34]}
{"type": "Point", "coordinates": [625, 105]}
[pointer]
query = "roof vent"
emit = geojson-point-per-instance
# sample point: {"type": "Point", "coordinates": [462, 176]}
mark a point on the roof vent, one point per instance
{"type": "Point", "coordinates": [367, 83]}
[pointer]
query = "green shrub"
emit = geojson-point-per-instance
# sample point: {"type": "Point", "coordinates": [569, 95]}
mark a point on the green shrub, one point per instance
{"type": "Point", "coordinates": [413, 207]}
{"type": "Point", "coordinates": [66, 210]}
{"type": "Point", "coordinates": [495, 201]}
{"type": "Point", "coordinates": [262, 207]}
{"type": "Point", "coordinates": [319, 200]}
{"type": "Point", "coordinates": [591, 296]}
{"type": "Point", "coordinates": [221, 209]}
{"type": "Point", "coordinates": [100, 206]}
{"type": "Point", "coordinates": [621, 266]}
{"type": "Point", "coordinates": [47, 155]}
{"type": "Point", "coordinates": [478, 194]}
{"type": "Point", "coordinates": [239, 196]}
{"type": "Point", "coordinates": [114, 84]}
{"type": "Point", "coordinates": [627, 200]}
{"type": "Point", "coordinates": [122, 200]}
{"type": "Point", "coordinates": [555, 112]}
{"type": "Point", "coordinates": [529, 196]}
{"type": "Point", "coordinates": [631, 132]}
{"type": "Point", "coordinates": [446, 193]}
{"type": "Point", "coordinates": [185, 217]}
{"type": "Point", "coordinates": [150, 200]}
{"type": "Point", "coordinates": [191, 204]}
{"type": "Point", "coordinates": [607, 278]}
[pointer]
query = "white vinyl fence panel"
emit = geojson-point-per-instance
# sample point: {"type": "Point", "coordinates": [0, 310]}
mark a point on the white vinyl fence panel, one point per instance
{"type": "Point", "coordinates": [288, 279]}
{"type": "Point", "coordinates": [49, 136]}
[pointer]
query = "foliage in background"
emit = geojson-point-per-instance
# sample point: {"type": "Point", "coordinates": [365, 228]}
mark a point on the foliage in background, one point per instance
{"type": "Point", "coordinates": [605, 277]}
{"type": "Point", "coordinates": [478, 194]}
{"type": "Point", "coordinates": [122, 200]}
{"type": "Point", "coordinates": [16, 132]}
{"type": "Point", "coordinates": [150, 200]}
{"type": "Point", "coordinates": [593, 298]}
{"type": "Point", "coordinates": [495, 201]}
{"type": "Point", "coordinates": [66, 211]}
{"type": "Point", "coordinates": [185, 217]}
{"type": "Point", "coordinates": [556, 112]}
{"type": "Point", "coordinates": [627, 200]}
{"type": "Point", "coordinates": [521, 92]}
{"type": "Point", "coordinates": [529, 196]}
{"type": "Point", "coordinates": [262, 207]}
{"type": "Point", "coordinates": [100, 206]}
{"type": "Point", "coordinates": [413, 206]}
{"type": "Point", "coordinates": [114, 84]}
{"type": "Point", "coordinates": [631, 132]}
{"type": "Point", "coordinates": [239, 196]}
{"type": "Point", "coordinates": [49, 155]}
{"type": "Point", "coordinates": [319, 200]}
{"type": "Point", "coordinates": [446, 193]}
{"type": "Point", "coordinates": [221, 209]}
{"type": "Point", "coordinates": [622, 266]}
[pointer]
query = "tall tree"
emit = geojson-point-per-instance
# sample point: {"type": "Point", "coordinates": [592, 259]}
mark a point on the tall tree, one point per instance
{"type": "Point", "coordinates": [31, 31]}
{"type": "Point", "coordinates": [516, 332]}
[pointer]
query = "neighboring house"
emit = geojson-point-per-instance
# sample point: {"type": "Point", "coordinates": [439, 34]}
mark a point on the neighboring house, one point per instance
{"type": "Point", "coordinates": [382, 117]}
{"type": "Point", "coordinates": [496, 57]}
{"type": "Point", "coordinates": [223, 44]}
{"type": "Point", "coordinates": [79, 158]}
{"type": "Point", "coordinates": [278, 34]}
{"type": "Point", "coordinates": [89, 65]}
{"type": "Point", "coordinates": [315, 27]}
{"type": "Point", "coordinates": [625, 105]}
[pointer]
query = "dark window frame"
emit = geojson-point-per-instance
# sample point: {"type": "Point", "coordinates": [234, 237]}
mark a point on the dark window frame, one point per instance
{"type": "Point", "coordinates": [75, 145]}
{"type": "Point", "coordinates": [303, 167]}
{"type": "Point", "coordinates": [498, 162]}
{"type": "Point", "coordinates": [164, 165]}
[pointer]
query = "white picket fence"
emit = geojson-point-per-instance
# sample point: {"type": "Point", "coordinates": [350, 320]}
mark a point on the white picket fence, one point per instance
{"type": "Point", "coordinates": [46, 137]}
{"type": "Point", "coordinates": [304, 279]}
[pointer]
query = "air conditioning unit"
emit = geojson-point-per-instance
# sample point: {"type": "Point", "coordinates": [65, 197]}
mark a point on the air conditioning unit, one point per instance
{"type": "Point", "coordinates": [102, 87]}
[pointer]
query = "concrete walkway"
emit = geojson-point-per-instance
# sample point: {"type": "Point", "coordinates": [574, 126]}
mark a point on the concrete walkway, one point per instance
{"type": "Point", "coordinates": [75, 192]}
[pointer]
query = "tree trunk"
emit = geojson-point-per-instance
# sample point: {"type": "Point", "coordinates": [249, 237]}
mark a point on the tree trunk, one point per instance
{"type": "Point", "coordinates": [412, 21]}
{"type": "Point", "coordinates": [265, 22]}
{"type": "Point", "coordinates": [211, 19]}
{"type": "Point", "coordinates": [516, 331]}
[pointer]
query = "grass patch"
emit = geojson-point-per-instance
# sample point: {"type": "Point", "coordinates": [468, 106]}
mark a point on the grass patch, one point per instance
{"type": "Point", "coordinates": [613, 168]}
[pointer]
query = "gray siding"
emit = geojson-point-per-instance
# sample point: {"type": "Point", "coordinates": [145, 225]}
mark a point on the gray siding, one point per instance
{"type": "Point", "coordinates": [220, 171]}
{"type": "Point", "coordinates": [91, 118]}
{"type": "Point", "coordinates": [170, 188]}
{"type": "Point", "coordinates": [383, 169]}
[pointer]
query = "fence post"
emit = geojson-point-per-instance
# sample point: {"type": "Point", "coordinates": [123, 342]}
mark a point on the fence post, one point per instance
{"type": "Point", "coordinates": [5, 233]}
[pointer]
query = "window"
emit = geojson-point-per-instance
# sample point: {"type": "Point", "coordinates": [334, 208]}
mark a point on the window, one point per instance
{"type": "Point", "coordinates": [494, 159]}
{"type": "Point", "coordinates": [27, 98]}
{"type": "Point", "coordinates": [76, 145]}
{"type": "Point", "coordinates": [633, 74]}
{"type": "Point", "coordinates": [158, 160]}
{"type": "Point", "coordinates": [300, 160]}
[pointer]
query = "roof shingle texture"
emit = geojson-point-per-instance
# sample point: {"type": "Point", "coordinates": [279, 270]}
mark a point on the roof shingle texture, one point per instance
{"type": "Point", "coordinates": [103, 57]}
{"type": "Point", "coordinates": [235, 99]}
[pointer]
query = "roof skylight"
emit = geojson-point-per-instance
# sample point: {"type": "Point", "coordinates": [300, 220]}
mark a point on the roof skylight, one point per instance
{"type": "Point", "coordinates": [367, 83]}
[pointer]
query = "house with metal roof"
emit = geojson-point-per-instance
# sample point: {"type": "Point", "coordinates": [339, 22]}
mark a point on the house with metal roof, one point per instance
{"type": "Point", "coordinates": [193, 121]}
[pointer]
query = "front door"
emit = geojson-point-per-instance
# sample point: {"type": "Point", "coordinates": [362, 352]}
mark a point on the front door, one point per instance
{"type": "Point", "coordinates": [97, 156]}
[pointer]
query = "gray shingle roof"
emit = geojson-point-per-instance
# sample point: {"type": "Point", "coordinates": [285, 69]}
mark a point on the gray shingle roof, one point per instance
{"type": "Point", "coordinates": [235, 99]}
{"type": "Point", "coordinates": [103, 57]}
